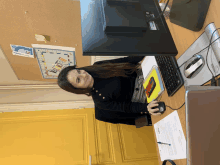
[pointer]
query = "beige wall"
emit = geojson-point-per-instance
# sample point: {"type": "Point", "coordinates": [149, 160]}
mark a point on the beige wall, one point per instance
{"type": "Point", "coordinates": [8, 76]}
{"type": "Point", "coordinates": [11, 90]}
{"type": "Point", "coordinates": [36, 95]}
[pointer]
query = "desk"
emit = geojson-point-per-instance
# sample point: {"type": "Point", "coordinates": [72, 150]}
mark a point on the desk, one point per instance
{"type": "Point", "coordinates": [183, 38]}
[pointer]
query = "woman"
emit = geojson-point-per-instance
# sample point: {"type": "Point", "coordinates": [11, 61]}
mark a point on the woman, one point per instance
{"type": "Point", "coordinates": [114, 86]}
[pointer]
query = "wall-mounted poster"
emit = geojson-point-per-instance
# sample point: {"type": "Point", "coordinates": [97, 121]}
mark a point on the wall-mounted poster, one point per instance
{"type": "Point", "coordinates": [52, 59]}
{"type": "Point", "coordinates": [22, 51]}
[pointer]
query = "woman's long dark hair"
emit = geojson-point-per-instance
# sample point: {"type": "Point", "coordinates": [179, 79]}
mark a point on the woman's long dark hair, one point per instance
{"type": "Point", "coordinates": [105, 70]}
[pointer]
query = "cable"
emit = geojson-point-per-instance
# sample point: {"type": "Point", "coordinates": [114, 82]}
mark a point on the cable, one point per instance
{"type": "Point", "coordinates": [200, 51]}
{"type": "Point", "coordinates": [213, 77]}
{"type": "Point", "coordinates": [175, 109]}
{"type": "Point", "coordinates": [210, 84]}
{"type": "Point", "coordinates": [206, 63]}
{"type": "Point", "coordinates": [160, 13]}
{"type": "Point", "coordinates": [167, 105]}
{"type": "Point", "coordinates": [208, 51]}
{"type": "Point", "coordinates": [213, 81]}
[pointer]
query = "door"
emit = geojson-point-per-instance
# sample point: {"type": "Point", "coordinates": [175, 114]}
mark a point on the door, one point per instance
{"type": "Point", "coordinates": [68, 137]}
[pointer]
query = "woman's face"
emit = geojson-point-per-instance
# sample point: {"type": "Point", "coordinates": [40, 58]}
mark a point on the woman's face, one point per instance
{"type": "Point", "coordinates": [80, 78]}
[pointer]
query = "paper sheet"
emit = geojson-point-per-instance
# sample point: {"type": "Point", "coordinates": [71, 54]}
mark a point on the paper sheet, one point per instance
{"type": "Point", "coordinates": [147, 64]}
{"type": "Point", "coordinates": [169, 130]}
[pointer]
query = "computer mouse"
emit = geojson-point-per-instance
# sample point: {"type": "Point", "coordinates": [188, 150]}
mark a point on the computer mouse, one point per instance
{"type": "Point", "coordinates": [193, 66]}
{"type": "Point", "coordinates": [161, 106]}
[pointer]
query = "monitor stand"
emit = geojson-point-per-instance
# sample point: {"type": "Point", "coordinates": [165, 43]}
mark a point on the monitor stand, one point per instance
{"type": "Point", "coordinates": [189, 14]}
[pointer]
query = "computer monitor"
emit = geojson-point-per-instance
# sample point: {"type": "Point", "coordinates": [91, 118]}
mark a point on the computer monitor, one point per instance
{"type": "Point", "coordinates": [189, 14]}
{"type": "Point", "coordinates": [121, 28]}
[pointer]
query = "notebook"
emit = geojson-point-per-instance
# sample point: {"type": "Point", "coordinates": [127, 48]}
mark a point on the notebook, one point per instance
{"type": "Point", "coordinates": [158, 88]}
{"type": "Point", "coordinates": [203, 125]}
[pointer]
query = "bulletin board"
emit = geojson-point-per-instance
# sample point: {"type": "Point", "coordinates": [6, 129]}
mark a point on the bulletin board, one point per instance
{"type": "Point", "coordinates": [21, 20]}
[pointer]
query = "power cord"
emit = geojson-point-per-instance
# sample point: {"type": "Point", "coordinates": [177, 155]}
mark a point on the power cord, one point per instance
{"type": "Point", "coordinates": [213, 77]}
{"type": "Point", "coordinates": [200, 51]}
{"type": "Point", "coordinates": [175, 109]}
{"type": "Point", "coordinates": [213, 81]}
{"type": "Point", "coordinates": [160, 13]}
{"type": "Point", "coordinates": [169, 106]}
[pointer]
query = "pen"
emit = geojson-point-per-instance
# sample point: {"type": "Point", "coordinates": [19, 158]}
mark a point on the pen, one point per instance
{"type": "Point", "coordinates": [163, 143]}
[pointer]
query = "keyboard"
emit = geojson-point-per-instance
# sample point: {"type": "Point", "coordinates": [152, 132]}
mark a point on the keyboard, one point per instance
{"type": "Point", "coordinates": [171, 75]}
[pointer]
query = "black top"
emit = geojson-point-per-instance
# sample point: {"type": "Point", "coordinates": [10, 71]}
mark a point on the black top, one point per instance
{"type": "Point", "coordinates": [112, 96]}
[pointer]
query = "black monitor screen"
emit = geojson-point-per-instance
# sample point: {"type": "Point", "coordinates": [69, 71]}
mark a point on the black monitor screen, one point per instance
{"type": "Point", "coordinates": [122, 28]}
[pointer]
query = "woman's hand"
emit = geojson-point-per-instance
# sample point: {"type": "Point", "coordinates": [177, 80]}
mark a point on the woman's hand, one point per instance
{"type": "Point", "coordinates": [152, 104]}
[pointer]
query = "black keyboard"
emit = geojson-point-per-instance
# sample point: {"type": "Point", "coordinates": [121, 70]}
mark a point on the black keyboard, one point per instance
{"type": "Point", "coordinates": [171, 75]}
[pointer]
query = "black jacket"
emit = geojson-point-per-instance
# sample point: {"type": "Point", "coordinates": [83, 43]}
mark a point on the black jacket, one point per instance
{"type": "Point", "coordinates": [112, 97]}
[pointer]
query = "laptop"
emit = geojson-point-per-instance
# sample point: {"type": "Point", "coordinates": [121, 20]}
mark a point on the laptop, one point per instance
{"type": "Point", "coordinates": [203, 125]}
